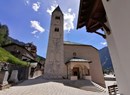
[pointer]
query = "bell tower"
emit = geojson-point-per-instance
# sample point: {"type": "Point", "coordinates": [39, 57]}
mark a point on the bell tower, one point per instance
{"type": "Point", "coordinates": [54, 65]}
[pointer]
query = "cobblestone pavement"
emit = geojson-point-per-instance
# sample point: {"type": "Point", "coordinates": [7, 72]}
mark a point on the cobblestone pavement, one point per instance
{"type": "Point", "coordinates": [43, 87]}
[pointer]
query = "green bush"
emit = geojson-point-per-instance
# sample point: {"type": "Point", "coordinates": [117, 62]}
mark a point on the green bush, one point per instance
{"type": "Point", "coordinates": [5, 56]}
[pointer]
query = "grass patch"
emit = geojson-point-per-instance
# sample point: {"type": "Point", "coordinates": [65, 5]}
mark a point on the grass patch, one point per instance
{"type": "Point", "coordinates": [5, 56]}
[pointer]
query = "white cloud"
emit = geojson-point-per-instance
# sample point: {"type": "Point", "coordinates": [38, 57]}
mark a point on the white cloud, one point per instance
{"type": "Point", "coordinates": [36, 25]}
{"type": "Point", "coordinates": [68, 17]}
{"type": "Point", "coordinates": [36, 6]}
{"type": "Point", "coordinates": [34, 32]}
{"type": "Point", "coordinates": [69, 10]}
{"type": "Point", "coordinates": [36, 36]}
{"type": "Point", "coordinates": [50, 10]}
{"type": "Point", "coordinates": [69, 20]}
{"type": "Point", "coordinates": [27, 2]}
{"type": "Point", "coordinates": [104, 43]}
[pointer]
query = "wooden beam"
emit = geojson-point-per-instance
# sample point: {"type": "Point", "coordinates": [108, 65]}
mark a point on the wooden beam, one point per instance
{"type": "Point", "coordinates": [106, 28]}
{"type": "Point", "coordinates": [104, 36]}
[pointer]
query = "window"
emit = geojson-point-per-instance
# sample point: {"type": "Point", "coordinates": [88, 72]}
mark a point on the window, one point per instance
{"type": "Point", "coordinates": [57, 17]}
{"type": "Point", "coordinates": [56, 29]}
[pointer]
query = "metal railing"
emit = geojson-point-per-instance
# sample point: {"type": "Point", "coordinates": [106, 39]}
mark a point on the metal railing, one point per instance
{"type": "Point", "coordinates": [113, 90]}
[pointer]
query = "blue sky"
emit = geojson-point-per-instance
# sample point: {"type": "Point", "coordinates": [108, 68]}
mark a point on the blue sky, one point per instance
{"type": "Point", "coordinates": [29, 21]}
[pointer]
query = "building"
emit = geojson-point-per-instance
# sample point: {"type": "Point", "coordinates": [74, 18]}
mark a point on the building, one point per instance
{"type": "Point", "coordinates": [31, 48]}
{"type": "Point", "coordinates": [113, 17]}
{"type": "Point", "coordinates": [82, 61]}
{"type": "Point", "coordinates": [22, 52]}
{"type": "Point", "coordinates": [70, 60]}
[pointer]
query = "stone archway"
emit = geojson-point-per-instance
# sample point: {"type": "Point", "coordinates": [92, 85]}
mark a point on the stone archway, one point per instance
{"type": "Point", "coordinates": [76, 72]}
{"type": "Point", "coordinates": [80, 71]}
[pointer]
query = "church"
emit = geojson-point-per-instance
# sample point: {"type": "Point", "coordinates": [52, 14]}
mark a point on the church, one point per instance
{"type": "Point", "coordinates": [69, 60]}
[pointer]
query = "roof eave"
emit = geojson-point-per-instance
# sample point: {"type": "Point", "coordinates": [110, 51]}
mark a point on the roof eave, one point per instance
{"type": "Point", "coordinates": [96, 7]}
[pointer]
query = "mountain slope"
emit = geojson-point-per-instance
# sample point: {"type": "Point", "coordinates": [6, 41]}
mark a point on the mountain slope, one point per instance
{"type": "Point", "coordinates": [105, 58]}
{"type": "Point", "coordinates": [5, 56]}
{"type": "Point", "coordinates": [16, 41]}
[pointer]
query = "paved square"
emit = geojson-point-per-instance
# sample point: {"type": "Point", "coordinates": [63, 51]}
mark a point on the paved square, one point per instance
{"type": "Point", "coordinates": [40, 86]}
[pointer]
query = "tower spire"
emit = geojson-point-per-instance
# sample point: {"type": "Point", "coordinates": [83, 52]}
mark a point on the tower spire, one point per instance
{"type": "Point", "coordinates": [58, 9]}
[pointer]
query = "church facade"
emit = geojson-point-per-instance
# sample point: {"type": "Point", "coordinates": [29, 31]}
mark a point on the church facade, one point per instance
{"type": "Point", "coordinates": [68, 60]}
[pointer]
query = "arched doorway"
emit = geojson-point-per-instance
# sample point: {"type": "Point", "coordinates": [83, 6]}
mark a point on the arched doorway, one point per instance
{"type": "Point", "coordinates": [80, 71]}
{"type": "Point", "coordinates": [78, 68]}
{"type": "Point", "coordinates": [76, 72]}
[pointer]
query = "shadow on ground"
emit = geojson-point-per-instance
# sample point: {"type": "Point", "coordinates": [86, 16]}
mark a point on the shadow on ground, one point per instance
{"type": "Point", "coordinates": [81, 84]}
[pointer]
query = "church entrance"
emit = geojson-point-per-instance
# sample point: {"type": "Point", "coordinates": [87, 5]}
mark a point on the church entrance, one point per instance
{"type": "Point", "coordinates": [76, 72]}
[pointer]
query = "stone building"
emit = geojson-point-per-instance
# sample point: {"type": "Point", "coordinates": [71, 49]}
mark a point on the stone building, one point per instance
{"type": "Point", "coordinates": [82, 62]}
{"type": "Point", "coordinates": [25, 54]}
{"type": "Point", "coordinates": [31, 48]}
{"type": "Point", "coordinates": [70, 60]}
{"type": "Point", "coordinates": [19, 51]}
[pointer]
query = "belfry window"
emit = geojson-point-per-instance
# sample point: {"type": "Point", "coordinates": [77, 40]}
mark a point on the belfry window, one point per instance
{"type": "Point", "coordinates": [56, 29]}
{"type": "Point", "coordinates": [57, 17]}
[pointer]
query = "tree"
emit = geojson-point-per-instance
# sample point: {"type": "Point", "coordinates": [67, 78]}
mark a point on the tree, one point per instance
{"type": "Point", "coordinates": [4, 32]}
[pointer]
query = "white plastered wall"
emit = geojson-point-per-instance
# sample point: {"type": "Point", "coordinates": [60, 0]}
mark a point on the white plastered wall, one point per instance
{"type": "Point", "coordinates": [118, 13]}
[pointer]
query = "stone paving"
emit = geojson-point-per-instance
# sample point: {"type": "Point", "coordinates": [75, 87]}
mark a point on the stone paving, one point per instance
{"type": "Point", "coordinates": [44, 87]}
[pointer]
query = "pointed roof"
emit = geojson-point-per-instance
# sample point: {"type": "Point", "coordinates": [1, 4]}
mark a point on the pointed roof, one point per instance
{"type": "Point", "coordinates": [58, 9]}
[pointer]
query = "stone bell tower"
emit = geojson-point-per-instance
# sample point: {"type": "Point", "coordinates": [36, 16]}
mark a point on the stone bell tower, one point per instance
{"type": "Point", "coordinates": [54, 65]}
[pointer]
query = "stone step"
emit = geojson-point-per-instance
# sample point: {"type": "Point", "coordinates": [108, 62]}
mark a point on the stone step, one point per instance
{"type": "Point", "coordinates": [99, 87]}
